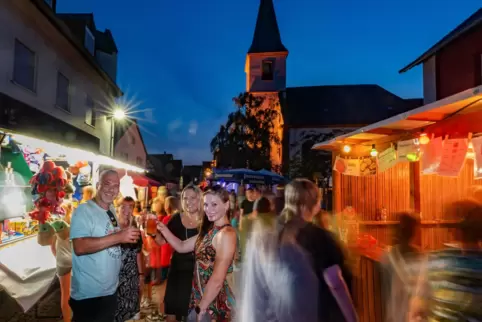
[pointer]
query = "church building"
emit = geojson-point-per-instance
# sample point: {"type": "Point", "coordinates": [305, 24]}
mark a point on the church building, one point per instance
{"type": "Point", "coordinates": [309, 114]}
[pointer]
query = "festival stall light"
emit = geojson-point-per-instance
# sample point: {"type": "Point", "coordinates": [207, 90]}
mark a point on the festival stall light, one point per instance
{"type": "Point", "coordinates": [424, 139]}
{"type": "Point", "coordinates": [71, 154]}
{"type": "Point", "coordinates": [346, 148]}
{"type": "Point", "coordinates": [374, 151]}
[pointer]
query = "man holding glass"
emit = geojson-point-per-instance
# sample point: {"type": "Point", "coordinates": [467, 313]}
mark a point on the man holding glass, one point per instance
{"type": "Point", "coordinates": [96, 256]}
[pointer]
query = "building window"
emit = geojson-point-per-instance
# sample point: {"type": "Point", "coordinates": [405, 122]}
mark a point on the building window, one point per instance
{"type": "Point", "coordinates": [139, 161]}
{"type": "Point", "coordinates": [89, 41]}
{"type": "Point", "coordinates": [124, 156]}
{"type": "Point", "coordinates": [90, 114]}
{"type": "Point", "coordinates": [267, 70]}
{"type": "Point", "coordinates": [132, 140]}
{"type": "Point", "coordinates": [24, 66]}
{"type": "Point", "coordinates": [63, 88]}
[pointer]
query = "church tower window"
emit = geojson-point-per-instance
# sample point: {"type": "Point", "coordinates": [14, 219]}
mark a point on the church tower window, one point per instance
{"type": "Point", "coordinates": [267, 72]}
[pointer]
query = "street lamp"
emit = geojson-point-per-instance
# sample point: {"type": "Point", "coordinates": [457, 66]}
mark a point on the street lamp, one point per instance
{"type": "Point", "coordinates": [118, 115]}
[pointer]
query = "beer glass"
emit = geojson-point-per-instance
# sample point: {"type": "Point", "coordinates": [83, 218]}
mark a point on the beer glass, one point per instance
{"type": "Point", "coordinates": [151, 225]}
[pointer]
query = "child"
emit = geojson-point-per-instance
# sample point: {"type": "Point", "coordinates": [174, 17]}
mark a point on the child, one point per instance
{"type": "Point", "coordinates": [171, 206]}
{"type": "Point", "coordinates": [152, 251]}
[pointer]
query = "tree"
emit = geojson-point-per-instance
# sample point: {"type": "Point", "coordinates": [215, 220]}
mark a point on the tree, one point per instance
{"type": "Point", "coordinates": [245, 140]}
{"type": "Point", "coordinates": [309, 163]}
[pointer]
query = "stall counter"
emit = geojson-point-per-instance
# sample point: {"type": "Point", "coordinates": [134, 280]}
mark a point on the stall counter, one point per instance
{"type": "Point", "coordinates": [26, 270]}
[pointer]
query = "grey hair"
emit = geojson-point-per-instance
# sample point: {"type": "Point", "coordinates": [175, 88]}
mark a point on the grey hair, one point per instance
{"type": "Point", "coordinates": [107, 172]}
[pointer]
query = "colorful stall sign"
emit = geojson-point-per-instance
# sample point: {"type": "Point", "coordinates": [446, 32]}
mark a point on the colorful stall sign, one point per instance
{"type": "Point", "coordinates": [349, 167]}
{"type": "Point", "coordinates": [387, 159]}
{"type": "Point", "coordinates": [453, 157]}
{"type": "Point", "coordinates": [477, 145]}
{"type": "Point", "coordinates": [408, 150]}
{"type": "Point", "coordinates": [431, 156]}
{"type": "Point", "coordinates": [368, 166]}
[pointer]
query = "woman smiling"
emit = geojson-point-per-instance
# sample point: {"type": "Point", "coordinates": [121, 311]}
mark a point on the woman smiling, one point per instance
{"type": "Point", "coordinates": [212, 296]}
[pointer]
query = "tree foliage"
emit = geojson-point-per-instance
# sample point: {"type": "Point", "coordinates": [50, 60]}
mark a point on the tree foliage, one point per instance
{"type": "Point", "coordinates": [309, 163]}
{"type": "Point", "coordinates": [244, 140]}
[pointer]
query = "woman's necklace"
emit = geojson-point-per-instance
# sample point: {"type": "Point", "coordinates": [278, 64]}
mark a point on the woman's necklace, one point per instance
{"type": "Point", "coordinates": [190, 221]}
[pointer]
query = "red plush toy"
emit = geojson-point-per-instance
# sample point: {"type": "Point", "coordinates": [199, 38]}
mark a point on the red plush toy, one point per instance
{"type": "Point", "coordinates": [45, 177]}
{"type": "Point", "coordinates": [42, 213]}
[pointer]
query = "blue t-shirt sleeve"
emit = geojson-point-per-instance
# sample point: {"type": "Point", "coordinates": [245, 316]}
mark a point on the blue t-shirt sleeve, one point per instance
{"type": "Point", "coordinates": [81, 224]}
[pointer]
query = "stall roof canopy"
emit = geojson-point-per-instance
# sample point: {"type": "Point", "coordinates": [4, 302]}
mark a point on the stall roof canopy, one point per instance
{"type": "Point", "coordinates": [464, 102]}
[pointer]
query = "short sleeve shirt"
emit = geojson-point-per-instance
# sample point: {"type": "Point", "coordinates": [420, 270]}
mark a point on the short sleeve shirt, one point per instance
{"type": "Point", "coordinates": [97, 274]}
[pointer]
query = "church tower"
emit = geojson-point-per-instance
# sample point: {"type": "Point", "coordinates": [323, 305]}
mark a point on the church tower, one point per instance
{"type": "Point", "coordinates": [266, 67]}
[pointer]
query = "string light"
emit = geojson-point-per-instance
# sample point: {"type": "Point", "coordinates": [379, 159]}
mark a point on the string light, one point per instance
{"type": "Point", "coordinates": [346, 148]}
{"type": "Point", "coordinates": [374, 151]}
{"type": "Point", "coordinates": [424, 139]}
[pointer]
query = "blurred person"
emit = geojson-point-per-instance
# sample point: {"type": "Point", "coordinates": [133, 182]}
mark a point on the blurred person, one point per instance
{"type": "Point", "coordinates": [401, 268]}
{"type": "Point", "coordinates": [279, 199]}
{"type": "Point", "coordinates": [212, 295]}
{"type": "Point", "coordinates": [246, 207]}
{"type": "Point", "coordinates": [450, 287]}
{"type": "Point", "coordinates": [323, 219]}
{"type": "Point", "coordinates": [183, 225]}
{"type": "Point", "coordinates": [62, 251]}
{"type": "Point", "coordinates": [234, 209]}
{"type": "Point", "coordinates": [263, 211]}
{"type": "Point", "coordinates": [152, 267]}
{"type": "Point", "coordinates": [96, 257]}
{"type": "Point", "coordinates": [278, 280]}
{"type": "Point", "coordinates": [88, 193]}
{"type": "Point", "coordinates": [132, 270]}
{"type": "Point", "coordinates": [302, 203]}
{"type": "Point", "coordinates": [241, 195]}
{"type": "Point", "coordinates": [158, 207]}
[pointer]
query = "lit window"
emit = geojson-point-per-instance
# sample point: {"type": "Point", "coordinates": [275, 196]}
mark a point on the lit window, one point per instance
{"type": "Point", "coordinates": [90, 114]}
{"type": "Point", "coordinates": [267, 70]}
{"type": "Point", "coordinates": [24, 66]}
{"type": "Point", "coordinates": [89, 41]}
{"type": "Point", "coordinates": [63, 88]}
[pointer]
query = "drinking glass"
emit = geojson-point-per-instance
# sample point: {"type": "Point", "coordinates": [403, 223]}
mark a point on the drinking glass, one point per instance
{"type": "Point", "coordinates": [151, 224]}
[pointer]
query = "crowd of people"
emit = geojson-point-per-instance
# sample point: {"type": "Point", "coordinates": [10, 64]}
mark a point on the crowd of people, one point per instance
{"type": "Point", "coordinates": [245, 256]}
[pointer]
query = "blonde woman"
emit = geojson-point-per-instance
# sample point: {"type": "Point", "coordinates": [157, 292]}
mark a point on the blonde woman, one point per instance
{"type": "Point", "coordinates": [184, 226]}
{"type": "Point", "coordinates": [212, 296]}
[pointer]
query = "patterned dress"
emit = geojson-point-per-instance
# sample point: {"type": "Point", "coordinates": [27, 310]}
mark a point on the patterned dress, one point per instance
{"type": "Point", "coordinates": [128, 301]}
{"type": "Point", "coordinates": [222, 308]}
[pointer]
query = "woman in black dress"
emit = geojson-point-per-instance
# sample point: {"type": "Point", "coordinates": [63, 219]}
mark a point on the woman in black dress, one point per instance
{"type": "Point", "coordinates": [128, 292]}
{"type": "Point", "coordinates": [179, 281]}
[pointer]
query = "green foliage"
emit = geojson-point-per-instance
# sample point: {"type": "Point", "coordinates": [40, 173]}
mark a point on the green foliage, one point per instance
{"type": "Point", "coordinates": [244, 140]}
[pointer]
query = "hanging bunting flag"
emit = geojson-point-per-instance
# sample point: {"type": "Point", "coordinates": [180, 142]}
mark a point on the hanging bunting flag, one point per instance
{"type": "Point", "coordinates": [387, 159]}
{"type": "Point", "coordinates": [408, 151]}
{"type": "Point", "coordinates": [453, 157]}
{"type": "Point", "coordinates": [349, 167]}
{"type": "Point", "coordinates": [431, 156]}
{"type": "Point", "coordinates": [477, 146]}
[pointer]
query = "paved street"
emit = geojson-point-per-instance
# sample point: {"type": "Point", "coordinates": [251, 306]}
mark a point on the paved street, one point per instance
{"type": "Point", "coordinates": [48, 308]}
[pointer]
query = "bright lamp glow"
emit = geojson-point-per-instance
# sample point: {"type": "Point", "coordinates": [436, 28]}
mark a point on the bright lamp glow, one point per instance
{"type": "Point", "coordinates": [374, 151]}
{"type": "Point", "coordinates": [119, 114]}
{"type": "Point", "coordinates": [347, 149]}
{"type": "Point", "coordinates": [424, 139]}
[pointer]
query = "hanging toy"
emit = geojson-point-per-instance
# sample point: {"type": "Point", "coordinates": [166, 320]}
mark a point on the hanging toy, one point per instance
{"type": "Point", "coordinates": [59, 178]}
{"type": "Point", "coordinates": [45, 234]}
{"type": "Point", "coordinates": [42, 213]}
{"type": "Point", "coordinates": [44, 177]}
{"type": "Point", "coordinates": [62, 229]}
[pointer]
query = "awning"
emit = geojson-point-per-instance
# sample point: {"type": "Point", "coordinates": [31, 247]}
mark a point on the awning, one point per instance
{"type": "Point", "coordinates": [139, 179]}
{"type": "Point", "coordinates": [422, 117]}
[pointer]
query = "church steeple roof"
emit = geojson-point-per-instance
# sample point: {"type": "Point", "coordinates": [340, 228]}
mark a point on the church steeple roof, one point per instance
{"type": "Point", "coordinates": [266, 35]}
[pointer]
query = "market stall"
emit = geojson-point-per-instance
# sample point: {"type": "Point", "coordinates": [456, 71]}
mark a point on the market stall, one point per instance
{"type": "Point", "coordinates": [36, 178]}
{"type": "Point", "coordinates": [419, 161]}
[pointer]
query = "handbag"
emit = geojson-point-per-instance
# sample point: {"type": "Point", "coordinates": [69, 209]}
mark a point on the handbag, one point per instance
{"type": "Point", "coordinates": [192, 316]}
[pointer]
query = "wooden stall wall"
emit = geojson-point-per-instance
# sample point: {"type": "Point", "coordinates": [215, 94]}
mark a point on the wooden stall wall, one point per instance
{"type": "Point", "coordinates": [436, 193]}
{"type": "Point", "coordinates": [368, 195]}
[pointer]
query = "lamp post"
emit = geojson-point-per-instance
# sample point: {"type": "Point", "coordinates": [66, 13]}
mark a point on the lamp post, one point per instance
{"type": "Point", "coordinates": [118, 115]}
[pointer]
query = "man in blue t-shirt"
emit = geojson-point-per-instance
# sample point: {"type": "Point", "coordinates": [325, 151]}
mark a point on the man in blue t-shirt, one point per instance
{"type": "Point", "coordinates": [96, 256]}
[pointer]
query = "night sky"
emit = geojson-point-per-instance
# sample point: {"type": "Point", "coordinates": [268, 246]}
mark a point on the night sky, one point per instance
{"type": "Point", "coordinates": [183, 61]}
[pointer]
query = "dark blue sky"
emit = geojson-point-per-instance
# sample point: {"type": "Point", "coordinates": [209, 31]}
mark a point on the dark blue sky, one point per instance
{"type": "Point", "coordinates": [185, 59]}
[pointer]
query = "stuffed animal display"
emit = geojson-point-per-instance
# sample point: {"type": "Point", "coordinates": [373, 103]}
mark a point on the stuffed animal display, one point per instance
{"type": "Point", "coordinates": [50, 183]}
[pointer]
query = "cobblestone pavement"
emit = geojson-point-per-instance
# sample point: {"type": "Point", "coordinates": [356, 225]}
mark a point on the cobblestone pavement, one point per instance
{"type": "Point", "coordinates": [48, 308]}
